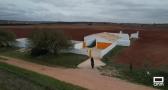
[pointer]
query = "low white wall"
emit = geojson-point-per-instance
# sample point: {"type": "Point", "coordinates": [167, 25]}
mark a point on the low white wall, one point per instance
{"type": "Point", "coordinates": [106, 50]}
{"type": "Point", "coordinates": [123, 42]}
{"type": "Point", "coordinates": [78, 45]}
{"type": "Point", "coordinates": [77, 51]}
{"type": "Point", "coordinates": [22, 43]}
{"type": "Point", "coordinates": [135, 35]}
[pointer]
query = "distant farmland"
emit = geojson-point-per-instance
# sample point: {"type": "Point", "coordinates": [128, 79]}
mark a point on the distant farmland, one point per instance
{"type": "Point", "coordinates": [152, 47]}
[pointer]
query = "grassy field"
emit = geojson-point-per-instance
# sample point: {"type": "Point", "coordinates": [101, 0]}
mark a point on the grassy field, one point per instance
{"type": "Point", "coordinates": [137, 75]}
{"type": "Point", "coordinates": [68, 60]}
{"type": "Point", "coordinates": [14, 78]}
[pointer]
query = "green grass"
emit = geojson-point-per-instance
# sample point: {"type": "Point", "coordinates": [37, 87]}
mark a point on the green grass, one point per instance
{"type": "Point", "coordinates": [14, 78]}
{"type": "Point", "coordinates": [138, 75]}
{"type": "Point", "coordinates": [110, 57]}
{"type": "Point", "coordinates": [68, 60]}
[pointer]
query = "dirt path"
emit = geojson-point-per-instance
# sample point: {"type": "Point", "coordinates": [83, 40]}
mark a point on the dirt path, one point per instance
{"type": "Point", "coordinates": [97, 60]}
{"type": "Point", "coordinates": [86, 78]}
{"type": "Point", "coordinates": [86, 64]}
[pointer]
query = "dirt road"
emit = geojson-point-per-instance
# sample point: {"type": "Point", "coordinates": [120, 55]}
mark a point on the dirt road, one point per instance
{"type": "Point", "coordinates": [86, 78]}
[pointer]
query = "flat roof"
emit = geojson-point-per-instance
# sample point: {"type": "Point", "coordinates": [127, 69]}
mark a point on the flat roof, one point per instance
{"type": "Point", "coordinates": [108, 36]}
{"type": "Point", "coordinates": [105, 35]}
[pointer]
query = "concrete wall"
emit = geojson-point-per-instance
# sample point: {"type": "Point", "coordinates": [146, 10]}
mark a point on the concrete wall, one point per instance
{"type": "Point", "coordinates": [78, 45]}
{"type": "Point", "coordinates": [89, 40]}
{"type": "Point", "coordinates": [123, 42]}
{"type": "Point", "coordinates": [77, 51]}
{"type": "Point", "coordinates": [22, 43]}
{"type": "Point", "coordinates": [135, 35]}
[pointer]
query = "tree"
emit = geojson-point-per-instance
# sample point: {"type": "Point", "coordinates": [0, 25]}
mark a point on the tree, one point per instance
{"type": "Point", "coordinates": [7, 38]}
{"type": "Point", "coordinates": [48, 41]}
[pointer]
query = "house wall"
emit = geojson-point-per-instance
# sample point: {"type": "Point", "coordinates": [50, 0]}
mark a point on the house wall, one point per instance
{"type": "Point", "coordinates": [88, 40]}
{"type": "Point", "coordinates": [123, 42]}
{"type": "Point", "coordinates": [76, 51]}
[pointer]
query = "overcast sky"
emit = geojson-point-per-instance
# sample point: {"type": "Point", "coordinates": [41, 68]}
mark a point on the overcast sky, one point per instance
{"type": "Point", "coordinates": [125, 11]}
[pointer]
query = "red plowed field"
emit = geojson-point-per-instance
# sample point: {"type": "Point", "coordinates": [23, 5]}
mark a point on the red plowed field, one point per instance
{"type": "Point", "coordinates": [151, 48]}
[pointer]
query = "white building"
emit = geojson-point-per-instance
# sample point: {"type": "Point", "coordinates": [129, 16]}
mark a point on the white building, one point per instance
{"type": "Point", "coordinates": [106, 41]}
{"type": "Point", "coordinates": [134, 35]}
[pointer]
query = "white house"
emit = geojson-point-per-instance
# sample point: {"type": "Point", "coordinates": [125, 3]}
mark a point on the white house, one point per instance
{"type": "Point", "coordinates": [106, 41]}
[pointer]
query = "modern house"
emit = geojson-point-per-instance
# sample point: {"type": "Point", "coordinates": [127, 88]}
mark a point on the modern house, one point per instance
{"type": "Point", "coordinates": [103, 42]}
{"type": "Point", "coordinates": [105, 39]}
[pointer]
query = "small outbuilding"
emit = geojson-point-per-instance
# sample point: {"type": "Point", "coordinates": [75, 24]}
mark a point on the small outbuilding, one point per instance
{"type": "Point", "coordinates": [134, 35]}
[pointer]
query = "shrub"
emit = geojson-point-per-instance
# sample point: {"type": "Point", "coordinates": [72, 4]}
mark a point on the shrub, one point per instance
{"type": "Point", "coordinates": [48, 41]}
{"type": "Point", "coordinates": [7, 38]}
{"type": "Point", "coordinates": [38, 52]}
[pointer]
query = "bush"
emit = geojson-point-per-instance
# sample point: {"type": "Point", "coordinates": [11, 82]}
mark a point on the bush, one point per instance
{"type": "Point", "coordinates": [38, 52]}
{"type": "Point", "coordinates": [7, 38]}
{"type": "Point", "coordinates": [48, 41]}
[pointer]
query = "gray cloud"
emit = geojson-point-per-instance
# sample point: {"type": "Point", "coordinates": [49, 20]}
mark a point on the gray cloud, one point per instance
{"type": "Point", "coordinates": [131, 11]}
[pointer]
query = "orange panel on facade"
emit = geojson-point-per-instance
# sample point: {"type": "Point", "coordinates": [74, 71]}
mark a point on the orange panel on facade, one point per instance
{"type": "Point", "coordinates": [102, 45]}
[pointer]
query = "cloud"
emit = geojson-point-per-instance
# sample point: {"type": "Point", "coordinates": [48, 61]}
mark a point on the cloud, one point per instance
{"type": "Point", "coordinates": [131, 11]}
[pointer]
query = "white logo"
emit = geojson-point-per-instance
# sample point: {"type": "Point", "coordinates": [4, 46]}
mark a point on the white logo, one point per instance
{"type": "Point", "coordinates": [158, 81]}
